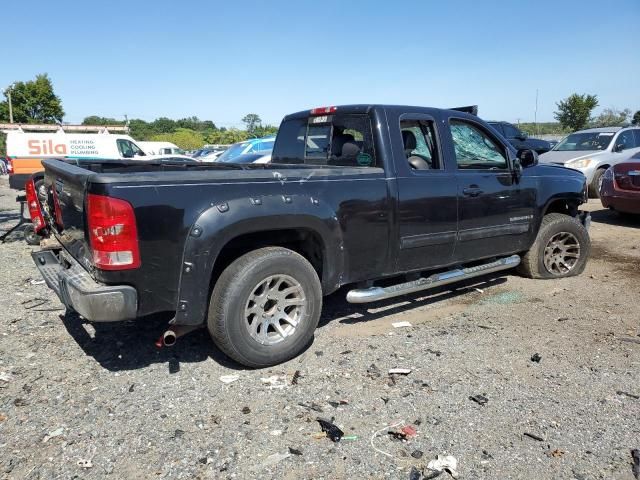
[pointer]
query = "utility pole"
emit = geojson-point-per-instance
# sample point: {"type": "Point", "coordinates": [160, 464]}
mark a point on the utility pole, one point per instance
{"type": "Point", "coordinates": [8, 92]}
{"type": "Point", "coordinates": [535, 115]}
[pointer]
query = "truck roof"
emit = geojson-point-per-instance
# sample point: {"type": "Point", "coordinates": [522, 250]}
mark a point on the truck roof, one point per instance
{"type": "Point", "coordinates": [367, 108]}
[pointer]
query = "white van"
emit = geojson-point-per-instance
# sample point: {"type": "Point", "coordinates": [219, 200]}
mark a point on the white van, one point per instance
{"type": "Point", "coordinates": [160, 148]}
{"type": "Point", "coordinates": [26, 150]}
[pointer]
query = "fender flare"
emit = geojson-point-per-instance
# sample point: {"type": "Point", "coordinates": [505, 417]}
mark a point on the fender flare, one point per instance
{"type": "Point", "coordinates": [219, 224]}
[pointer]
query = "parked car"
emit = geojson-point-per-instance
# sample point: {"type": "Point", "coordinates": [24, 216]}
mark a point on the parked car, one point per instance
{"type": "Point", "coordinates": [161, 148]}
{"type": "Point", "coordinates": [260, 157]}
{"type": "Point", "coordinates": [620, 187]}
{"type": "Point", "coordinates": [594, 150]}
{"type": "Point", "coordinates": [254, 145]}
{"type": "Point", "coordinates": [4, 165]}
{"type": "Point", "coordinates": [414, 197]}
{"type": "Point", "coordinates": [210, 155]}
{"type": "Point", "coordinates": [520, 139]}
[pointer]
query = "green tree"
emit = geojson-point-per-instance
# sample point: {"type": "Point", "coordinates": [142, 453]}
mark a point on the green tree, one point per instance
{"type": "Point", "coordinates": [264, 130]}
{"type": "Point", "coordinates": [610, 117]}
{"type": "Point", "coordinates": [139, 129]}
{"type": "Point", "coordinates": [33, 101]}
{"type": "Point", "coordinates": [636, 118]}
{"type": "Point", "coordinates": [227, 137]}
{"type": "Point", "coordinates": [163, 125]}
{"type": "Point", "coordinates": [182, 137]}
{"type": "Point", "coordinates": [574, 112]}
{"type": "Point", "coordinates": [252, 121]}
{"type": "Point", "coordinates": [100, 121]}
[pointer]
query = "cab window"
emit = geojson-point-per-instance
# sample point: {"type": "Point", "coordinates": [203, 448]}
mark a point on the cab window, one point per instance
{"type": "Point", "coordinates": [128, 149]}
{"type": "Point", "coordinates": [420, 149]}
{"type": "Point", "coordinates": [511, 131]}
{"type": "Point", "coordinates": [475, 149]}
{"type": "Point", "coordinates": [626, 140]}
{"type": "Point", "coordinates": [336, 140]}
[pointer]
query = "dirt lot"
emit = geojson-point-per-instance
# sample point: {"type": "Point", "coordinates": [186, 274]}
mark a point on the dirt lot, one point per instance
{"type": "Point", "coordinates": [94, 401]}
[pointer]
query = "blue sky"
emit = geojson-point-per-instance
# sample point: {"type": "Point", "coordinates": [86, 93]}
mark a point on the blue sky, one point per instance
{"type": "Point", "coordinates": [221, 60]}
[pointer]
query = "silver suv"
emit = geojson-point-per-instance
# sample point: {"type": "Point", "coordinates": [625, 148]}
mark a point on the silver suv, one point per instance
{"type": "Point", "coordinates": [594, 150]}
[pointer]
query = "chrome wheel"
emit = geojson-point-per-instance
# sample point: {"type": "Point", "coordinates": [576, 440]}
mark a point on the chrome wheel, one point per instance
{"type": "Point", "coordinates": [561, 253]}
{"type": "Point", "coordinates": [274, 309]}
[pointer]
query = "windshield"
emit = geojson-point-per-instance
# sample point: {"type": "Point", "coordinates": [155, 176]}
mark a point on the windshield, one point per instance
{"type": "Point", "coordinates": [232, 152]}
{"type": "Point", "coordinates": [587, 141]}
{"type": "Point", "coordinates": [246, 158]}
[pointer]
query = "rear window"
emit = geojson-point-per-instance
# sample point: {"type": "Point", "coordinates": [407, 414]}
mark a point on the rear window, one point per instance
{"type": "Point", "coordinates": [335, 140]}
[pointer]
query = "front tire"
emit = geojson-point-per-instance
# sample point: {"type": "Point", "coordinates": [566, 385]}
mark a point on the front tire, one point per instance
{"type": "Point", "coordinates": [594, 186]}
{"type": "Point", "coordinates": [560, 250]}
{"type": "Point", "coordinates": [265, 307]}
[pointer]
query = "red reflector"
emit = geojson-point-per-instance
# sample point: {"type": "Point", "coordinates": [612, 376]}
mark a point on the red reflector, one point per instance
{"type": "Point", "coordinates": [323, 110]}
{"type": "Point", "coordinates": [33, 204]}
{"type": "Point", "coordinates": [113, 234]}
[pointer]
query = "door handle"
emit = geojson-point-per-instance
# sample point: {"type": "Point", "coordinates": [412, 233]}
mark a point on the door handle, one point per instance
{"type": "Point", "coordinates": [471, 191]}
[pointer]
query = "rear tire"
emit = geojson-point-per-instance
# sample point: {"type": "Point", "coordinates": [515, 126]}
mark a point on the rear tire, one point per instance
{"type": "Point", "coordinates": [594, 186]}
{"type": "Point", "coordinates": [265, 307]}
{"type": "Point", "coordinates": [30, 236]}
{"type": "Point", "coordinates": [560, 250]}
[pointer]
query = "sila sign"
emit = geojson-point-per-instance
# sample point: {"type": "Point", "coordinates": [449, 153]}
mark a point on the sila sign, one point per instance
{"type": "Point", "coordinates": [46, 147]}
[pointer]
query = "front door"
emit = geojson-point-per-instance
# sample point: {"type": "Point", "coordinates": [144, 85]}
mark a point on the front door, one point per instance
{"type": "Point", "coordinates": [494, 211]}
{"type": "Point", "coordinates": [427, 206]}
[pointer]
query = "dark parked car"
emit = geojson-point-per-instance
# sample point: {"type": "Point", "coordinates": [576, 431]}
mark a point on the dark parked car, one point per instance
{"type": "Point", "coordinates": [620, 187]}
{"type": "Point", "coordinates": [416, 197]}
{"type": "Point", "coordinates": [520, 139]}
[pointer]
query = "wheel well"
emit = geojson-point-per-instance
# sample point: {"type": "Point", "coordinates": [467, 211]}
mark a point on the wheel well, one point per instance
{"type": "Point", "coordinates": [567, 207]}
{"type": "Point", "coordinates": [303, 241]}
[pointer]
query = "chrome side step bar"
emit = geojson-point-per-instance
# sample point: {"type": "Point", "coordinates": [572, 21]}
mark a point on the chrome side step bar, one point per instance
{"type": "Point", "coordinates": [373, 294]}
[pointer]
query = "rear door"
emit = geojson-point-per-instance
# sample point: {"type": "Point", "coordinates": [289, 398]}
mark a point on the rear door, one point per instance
{"type": "Point", "coordinates": [495, 212]}
{"type": "Point", "coordinates": [427, 205]}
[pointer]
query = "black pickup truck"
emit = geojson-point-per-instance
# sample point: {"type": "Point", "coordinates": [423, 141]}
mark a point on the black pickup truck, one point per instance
{"type": "Point", "coordinates": [387, 199]}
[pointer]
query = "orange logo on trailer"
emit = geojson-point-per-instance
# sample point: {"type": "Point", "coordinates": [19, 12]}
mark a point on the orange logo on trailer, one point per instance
{"type": "Point", "coordinates": [46, 147]}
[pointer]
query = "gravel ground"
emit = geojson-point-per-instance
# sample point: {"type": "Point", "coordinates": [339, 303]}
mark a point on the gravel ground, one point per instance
{"type": "Point", "coordinates": [93, 401]}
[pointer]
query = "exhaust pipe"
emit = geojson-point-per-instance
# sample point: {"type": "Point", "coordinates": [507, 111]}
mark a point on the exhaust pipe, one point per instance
{"type": "Point", "coordinates": [170, 337]}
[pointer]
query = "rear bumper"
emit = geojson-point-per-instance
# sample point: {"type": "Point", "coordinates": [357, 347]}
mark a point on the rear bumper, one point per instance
{"type": "Point", "coordinates": [612, 196]}
{"type": "Point", "coordinates": [77, 290]}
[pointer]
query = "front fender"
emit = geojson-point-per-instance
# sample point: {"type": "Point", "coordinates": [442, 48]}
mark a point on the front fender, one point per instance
{"type": "Point", "coordinates": [221, 223]}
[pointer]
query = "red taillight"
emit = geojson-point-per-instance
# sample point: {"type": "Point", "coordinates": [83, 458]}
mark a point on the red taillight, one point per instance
{"type": "Point", "coordinates": [33, 204]}
{"type": "Point", "coordinates": [9, 166]}
{"type": "Point", "coordinates": [323, 110]}
{"type": "Point", "coordinates": [112, 233]}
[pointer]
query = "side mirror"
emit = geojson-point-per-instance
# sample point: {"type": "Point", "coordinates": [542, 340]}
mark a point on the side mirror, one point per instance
{"type": "Point", "coordinates": [517, 169]}
{"type": "Point", "coordinates": [527, 158]}
{"type": "Point", "coordinates": [619, 147]}
{"type": "Point", "coordinates": [522, 136]}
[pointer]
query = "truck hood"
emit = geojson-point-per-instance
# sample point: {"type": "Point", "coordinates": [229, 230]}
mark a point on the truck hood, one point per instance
{"type": "Point", "coordinates": [563, 157]}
